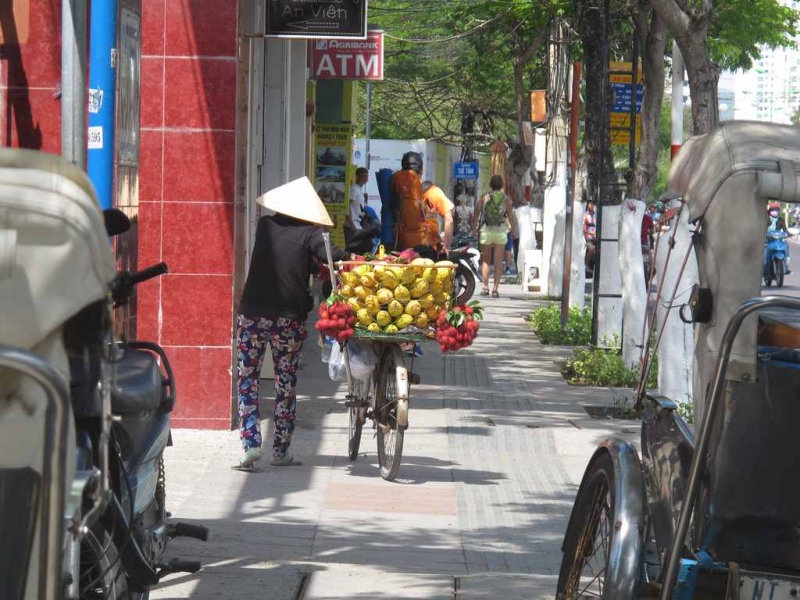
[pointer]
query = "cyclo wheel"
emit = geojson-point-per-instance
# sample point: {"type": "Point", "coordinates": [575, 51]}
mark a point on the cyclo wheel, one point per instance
{"type": "Point", "coordinates": [357, 414]}
{"type": "Point", "coordinates": [389, 408]}
{"type": "Point", "coordinates": [591, 539]}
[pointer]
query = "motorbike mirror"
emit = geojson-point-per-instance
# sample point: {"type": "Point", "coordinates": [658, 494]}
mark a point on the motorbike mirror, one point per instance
{"type": "Point", "coordinates": [116, 221]}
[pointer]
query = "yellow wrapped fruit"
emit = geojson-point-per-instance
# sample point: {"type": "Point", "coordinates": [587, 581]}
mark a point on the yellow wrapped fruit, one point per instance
{"type": "Point", "coordinates": [408, 276]}
{"type": "Point", "coordinates": [346, 291]}
{"type": "Point", "coordinates": [419, 289]}
{"type": "Point", "coordinates": [422, 321]}
{"type": "Point", "coordinates": [361, 292]}
{"type": "Point", "coordinates": [413, 308]}
{"type": "Point", "coordinates": [429, 274]}
{"type": "Point", "coordinates": [368, 281]}
{"type": "Point", "coordinates": [378, 271]}
{"type": "Point", "coordinates": [372, 304]}
{"type": "Point", "coordinates": [383, 318]}
{"type": "Point", "coordinates": [396, 271]}
{"type": "Point", "coordinates": [427, 300]}
{"type": "Point", "coordinates": [384, 296]}
{"type": "Point", "coordinates": [364, 317]}
{"type": "Point", "coordinates": [404, 321]}
{"type": "Point", "coordinates": [389, 280]}
{"type": "Point", "coordinates": [373, 327]}
{"type": "Point", "coordinates": [402, 294]}
{"type": "Point", "coordinates": [391, 328]}
{"type": "Point", "coordinates": [436, 287]}
{"type": "Point", "coordinates": [442, 298]}
{"type": "Point", "coordinates": [433, 312]}
{"type": "Point", "coordinates": [355, 304]}
{"type": "Point", "coordinates": [362, 270]}
{"type": "Point", "coordinates": [395, 309]}
{"type": "Point", "coordinates": [350, 278]}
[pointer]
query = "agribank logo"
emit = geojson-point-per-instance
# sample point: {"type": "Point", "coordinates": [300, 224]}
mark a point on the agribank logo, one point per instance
{"type": "Point", "coordinates": [349, 59]}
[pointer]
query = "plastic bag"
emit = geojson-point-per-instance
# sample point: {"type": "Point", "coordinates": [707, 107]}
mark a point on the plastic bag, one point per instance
{"type": "Point", "coordinates": [362, 359]}
{"type": "Point", "coordinates": [336, 368]}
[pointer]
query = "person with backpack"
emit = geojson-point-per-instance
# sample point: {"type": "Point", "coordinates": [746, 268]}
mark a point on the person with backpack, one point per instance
{"type": "Point", "coordinates": [493, 219]}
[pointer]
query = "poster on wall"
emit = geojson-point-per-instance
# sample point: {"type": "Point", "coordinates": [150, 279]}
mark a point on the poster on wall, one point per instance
{"type": "Point", "coordinates": [128, 75]}
{"type": "Point", "coordinates": [332, 151]}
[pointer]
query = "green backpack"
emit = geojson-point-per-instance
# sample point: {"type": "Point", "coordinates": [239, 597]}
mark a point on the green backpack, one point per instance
{"type": "Point", "coordinates": [494, 209]}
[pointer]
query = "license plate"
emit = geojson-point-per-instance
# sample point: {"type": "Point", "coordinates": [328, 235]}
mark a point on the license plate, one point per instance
{"type": "Point", "coordinates": [765, 586]}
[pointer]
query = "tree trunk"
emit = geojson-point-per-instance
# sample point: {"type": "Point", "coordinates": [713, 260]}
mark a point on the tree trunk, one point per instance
{"type": "Point", "coordinates": [591, 31]}
{"type": "Point", "coordinates": [689, 27]}
{"type": "Point", "coordinates": [653, 39]}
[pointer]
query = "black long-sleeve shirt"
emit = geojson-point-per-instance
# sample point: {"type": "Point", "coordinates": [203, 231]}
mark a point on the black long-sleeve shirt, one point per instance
{"type": "Point", "coordinates": [277, 283]}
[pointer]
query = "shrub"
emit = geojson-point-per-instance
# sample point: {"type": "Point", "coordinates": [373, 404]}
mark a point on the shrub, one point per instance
{"type": "Point", "coordinates": [546, 323]}
{"type": "Point", "coordinates": [604, 367]}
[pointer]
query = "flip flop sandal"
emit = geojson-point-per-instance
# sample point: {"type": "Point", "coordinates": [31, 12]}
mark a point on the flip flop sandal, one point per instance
{"type": "Point", "coordinates": [247, 461]}
{"type": "Point", "coordinates": [485, 292]}
{"type": "Point", "coordinates": [495, 294]}
{"type": "Point", "coordinates": [285, 461]}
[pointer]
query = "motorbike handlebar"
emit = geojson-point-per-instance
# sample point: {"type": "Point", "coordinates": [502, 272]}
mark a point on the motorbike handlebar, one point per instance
{"type": "Point", "coordinates": [125, 283]}
{"type": "Point", "coordinates": [149, 273]}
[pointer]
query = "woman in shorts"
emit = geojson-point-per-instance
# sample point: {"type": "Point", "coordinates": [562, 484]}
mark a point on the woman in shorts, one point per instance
{"type": "Point", "coordinates": [493, 218]}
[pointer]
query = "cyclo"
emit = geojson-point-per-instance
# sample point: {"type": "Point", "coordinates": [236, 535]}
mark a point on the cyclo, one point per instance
{"type": "Point", "coordinates": [710, 512]}
{"type": "Point", "coordinates": [383, 394]}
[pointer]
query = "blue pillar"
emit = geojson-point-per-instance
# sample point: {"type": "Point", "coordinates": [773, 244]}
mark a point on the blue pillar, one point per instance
{"type": "Point", "coordinates": [102, 98]}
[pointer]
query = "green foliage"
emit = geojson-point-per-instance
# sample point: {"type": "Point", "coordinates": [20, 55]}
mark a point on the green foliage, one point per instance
{"type": "Point", "coordinates": [686, 411]}
{"type": "Point", "coordinates": [546, 323]}
{"type": "Point", "coordinates": [604, 367]}
{"type": "Point", "coordinates": [450, 66]}
{"type": "Point", "coordinates": [741, 28]}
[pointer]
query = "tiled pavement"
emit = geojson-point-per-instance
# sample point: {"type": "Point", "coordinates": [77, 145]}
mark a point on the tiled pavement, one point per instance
{"type": "Point", "coordinates": [496, 446]}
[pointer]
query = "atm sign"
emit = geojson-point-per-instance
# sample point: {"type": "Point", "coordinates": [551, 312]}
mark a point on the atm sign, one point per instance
{"type": "Point", "coordinates": [348, 59]}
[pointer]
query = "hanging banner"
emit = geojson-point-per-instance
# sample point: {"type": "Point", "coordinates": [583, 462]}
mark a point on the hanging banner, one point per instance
{"type": "Point", "coordinates": [332, 152]}
{"type": "Point", "coordinates": [622, 96]}
{"type": "Point", "coordinates": [348, 59]}
{"type": "Point", "coordinates": [317, 18]}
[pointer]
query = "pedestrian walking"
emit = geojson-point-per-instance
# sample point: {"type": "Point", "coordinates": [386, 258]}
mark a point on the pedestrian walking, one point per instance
{"type": "Point", "coordinates": [494, 219]}
{"type": "Point", "coordinates": [273, 309]}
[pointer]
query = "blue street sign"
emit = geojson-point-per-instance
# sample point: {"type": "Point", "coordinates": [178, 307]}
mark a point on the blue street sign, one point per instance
{"type": "Point", "coordinates": [465, 170]}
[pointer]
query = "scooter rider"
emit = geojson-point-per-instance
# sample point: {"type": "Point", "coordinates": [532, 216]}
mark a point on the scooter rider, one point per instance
{"type": "Point", "coordinates": [775, 222]}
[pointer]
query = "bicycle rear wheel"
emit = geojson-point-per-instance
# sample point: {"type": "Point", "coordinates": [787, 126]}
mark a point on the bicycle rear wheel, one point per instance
{"type": "Point", "coordinates": [391, 412]}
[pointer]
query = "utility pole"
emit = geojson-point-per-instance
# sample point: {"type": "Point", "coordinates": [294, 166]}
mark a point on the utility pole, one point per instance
{"type": "Point", "coordinates": [368, 132]}
{"type": "Point", "coordinates": [73, 81]}
{"type": "Point", "coordinates": [571, 181]}
{"type": "Point", "coordinates": [677, 99]}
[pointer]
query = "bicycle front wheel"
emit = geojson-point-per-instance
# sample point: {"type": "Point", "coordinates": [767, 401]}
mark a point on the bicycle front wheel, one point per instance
{"type": "Point", "coordinates": [358, 410]}
{"type": "Point", "coordinates": [391, 412]}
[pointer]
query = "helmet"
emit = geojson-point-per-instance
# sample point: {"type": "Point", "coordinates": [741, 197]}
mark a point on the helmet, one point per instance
{"type": "Point", "coordinates": [774, 206]}
{"type": "Point", "coordinates": [426, 185]}
{"type": "Point", "coordinates": [412, 161]}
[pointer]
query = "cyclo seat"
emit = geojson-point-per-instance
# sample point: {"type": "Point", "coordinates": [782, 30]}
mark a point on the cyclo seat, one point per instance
{"type": "Point", "coordinates": [750, 494]}
{"type": "Point", "coordinates": [139, 384]}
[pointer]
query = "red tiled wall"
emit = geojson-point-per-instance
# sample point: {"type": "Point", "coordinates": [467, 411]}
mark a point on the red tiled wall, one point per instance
{"type": "Point", "coordinates": [186, 198]}
{"type": "Point", "coordinates": [30, 72]}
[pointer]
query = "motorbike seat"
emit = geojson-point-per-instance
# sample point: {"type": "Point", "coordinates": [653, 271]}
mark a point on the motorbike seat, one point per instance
{"type": "Point", "coordinates": [139, 384]}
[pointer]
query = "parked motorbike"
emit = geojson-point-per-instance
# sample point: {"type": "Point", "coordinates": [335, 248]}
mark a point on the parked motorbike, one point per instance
{"type": "Point", "coordinates": [775, 253]}
{"type": "Point", "coordinates": [84, 420]}
{"type": "Point", "coordinates": [468, 265]}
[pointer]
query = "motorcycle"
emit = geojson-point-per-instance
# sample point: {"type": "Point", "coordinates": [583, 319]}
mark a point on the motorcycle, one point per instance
{"type": "Point", "coordinates": [84, 515]}
{"type": "Point", "coordinates": [468, 264]}
{"type": "Point", "coordinates": [775, 253]}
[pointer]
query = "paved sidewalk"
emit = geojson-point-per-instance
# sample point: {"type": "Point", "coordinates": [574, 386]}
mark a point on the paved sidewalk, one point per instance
{"type": "Point", "coordinates": [496, 446]}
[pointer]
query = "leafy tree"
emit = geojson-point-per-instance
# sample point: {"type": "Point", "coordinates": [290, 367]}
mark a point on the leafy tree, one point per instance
{"type": "Point", "coordinates": [726, 36]}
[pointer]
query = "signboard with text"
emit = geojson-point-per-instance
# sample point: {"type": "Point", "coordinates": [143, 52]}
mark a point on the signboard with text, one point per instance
{"type": "Point", "coordinates": [465, 170]}
{"type": "Point", "coordinates": [317, 18]}
{"type": "Point", "coordinates": [348, 59]}
{"type": "Point", "coordinates": [622, 96]}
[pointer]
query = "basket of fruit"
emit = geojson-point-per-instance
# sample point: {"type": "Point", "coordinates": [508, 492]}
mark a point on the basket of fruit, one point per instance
{"type": "Point", "coordinates": [396, 298]}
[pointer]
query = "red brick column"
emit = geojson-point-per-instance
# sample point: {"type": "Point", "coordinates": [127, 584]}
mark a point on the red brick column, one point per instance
{"type": "Point", "coordinates": [186, 197]}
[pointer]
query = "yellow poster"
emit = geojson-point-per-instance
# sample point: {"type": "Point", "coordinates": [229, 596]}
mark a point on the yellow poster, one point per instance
{"type": "Point", "coordinates": [622, 96]}
{"type": "Point", "coordinates": [332, 151]}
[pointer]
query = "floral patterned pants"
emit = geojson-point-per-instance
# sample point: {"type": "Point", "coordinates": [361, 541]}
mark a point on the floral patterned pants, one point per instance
{"type": "Point", "coordinates": [285, 337]}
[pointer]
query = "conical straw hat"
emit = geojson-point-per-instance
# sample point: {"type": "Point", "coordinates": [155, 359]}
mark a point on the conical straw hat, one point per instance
{"type": "Point", "coordinates": [297, 199]}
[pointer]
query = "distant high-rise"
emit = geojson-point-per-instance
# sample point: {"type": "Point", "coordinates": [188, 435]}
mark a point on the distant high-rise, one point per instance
{"type": "Point", "coordinates": [770, 91]}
